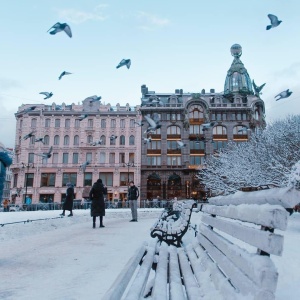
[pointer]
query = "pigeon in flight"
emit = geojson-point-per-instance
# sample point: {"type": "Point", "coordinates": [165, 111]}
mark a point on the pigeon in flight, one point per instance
{"type": "Point", "coordinates": [82, 117]}
{"type": "Point", "coordinates": [124, 62]}
{"type": "Point", "coordinates": [46, 155]}
{"type": "Point", "coordinates": [147, 140]}
{"type": "Point", "coordinates": [258, 89]}
{"type": "Point", "coordinates": [31, 108]}
{"type": "Point", "coordinates": [208, 125]}
{"type": "Point", "coordinates": [63, 74]}
{"type": "Point", "coordinates": [94, 98]}
{"type": "Point", "coordinates": [83, 166]}
{"type": "Point", "coordinates": [284, 94]}
{"type": "Point", "coordinates": [96, 143]}
{"type": "Point", "coordinates": [139, 123]}
{"type": "Point", "coordinates": [113, 137]}
{"type": "Point", "coordinates": [39, 140]}
{"type": "Point", "coordinates": [244, 129]}
{"type": "Point", "coordinates": [202, 139]}
{"type": "Point", "coordinates": [274, 22]}
{"type": "Point", "coordinates": [180, 145]}
{"type": "Point", "coordinates": [48, 95]}
{"type": "Point", "coordinates": [154, 124]}
{"type": "Point", "coordinates": [29, 135]}
{"type": "Point", "coordinates": [58, 27]}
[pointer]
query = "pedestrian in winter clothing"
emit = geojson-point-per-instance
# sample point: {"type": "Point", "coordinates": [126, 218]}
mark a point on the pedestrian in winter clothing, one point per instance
{"type": "Point", "coordinates": [133, 194]}
{"type": "Point", "coordinates": [97, 193]}
{"type": "Point", "coordinates": [68, 204]}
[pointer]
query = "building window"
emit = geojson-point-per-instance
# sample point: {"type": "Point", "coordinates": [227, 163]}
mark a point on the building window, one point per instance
{"type": "Point", "coordinates": [153, 160]}
{"type": "Point", "coordinates": [131, 140]}
{"type": "Point", "coordinates": [219, 144]}
{"type": "Point", "coordinates": [29, 179]}
{"type": "Point", "coordinates": [244, 116]}
{"type": "Point", "coordinates": [232, 117]}
{"type": "Point", "coordinates": [67, 123]}
{"type": "Point", "coordinates": [107, 178]}
{"type": "Point", "coordinates": [47, 123]}
{"type": "Point", "coordinates": [173, 130]}
{"type": "Point", "coordinates": [122, 140]}
{"type": "Point", "coordinates": [65, 158]}
{"type": "Point", "coordinates": [219, 117]}
{"type": "Point", "coordinates": [224, 116]}
{"type": "Point", "coordinates": [30, 158]}
{"type": "Point", "coordinates": [76, 140]}
{"type": "Point", "coordinates": [66, 140]}
{"type": "Point", "coordinates": [111, 158]}
{"type": "Point", "coordinates": [90, 123]}
{"type": "Point", "coordinates": [56, 140]}
{"type": "Point", "coordinates": [131, 157]}
{"type": "Point", "coordinates": [21, 124]}
{"type": "Point", "coordinates": [220, 130]}
{"type": "Point", "coordinates": [46, 140]}
{"type": "Point", "coordinates": [132, 124]}
{"type": "Point", "coordinates": [75, 158]}
{"type": "Point", "coordinates": [196, 129]}
{"type": "Point", "coordinates": [197, 145]}
{"type": "Point", "coordinates": [48, 179]}
{"type": "Point", "coordinates": [197, 160]}
{"type": "Point", "coordinates": [89, 139]}
{"type": "Point", "coordinates": [172, 145]}
{"type": "Point", "coordinates": [122, 123]}
{"type": "Point", "coordinates": [155, 145]}
{"type": "Point", "coordinates": [122, 158]}
{"type": "Point", "coordinates": [15, 184]}
{"type": "Point", "coordinates": [69, 177]}
{"type": "Point", "coordinates": [112, 142]}
{"type": "Point", "coordinates": [89, 156]}
{"type": "Point", "coordinates": [173, 160]}
{"type": "Point", "coordinates": [102, 157]}
{"type": "Point", "coordinates": [77, 123]}
{"type": "Point", "coordinates": [113, 123]}
{"type": "Point", "coordinates": [240, 130]}
{"type": "Point", "coordinates": [32, 140]}
{"type": "Point", "coordinates": [57, 123]}
{"type": "Point", "coordinates": [33, 123]}
{"type": "Point", "coordinates": [103, 123]}
{"type": "Point", "coordinates": [103, 139]}
{"type": "Point", "coordinates": [55, 158]}
{"type": "Point", "coordinates": [238, 117]}
{"type": "Point", "coordinates": [125, 178]}
{"type": "Point", "coordinates": [87, 181]}
{"type": "Point", "coordinates": [196, 112]}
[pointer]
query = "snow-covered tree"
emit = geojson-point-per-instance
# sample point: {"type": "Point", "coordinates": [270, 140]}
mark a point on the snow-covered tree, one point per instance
{"type": "Point", "coordinates": [267, 158]}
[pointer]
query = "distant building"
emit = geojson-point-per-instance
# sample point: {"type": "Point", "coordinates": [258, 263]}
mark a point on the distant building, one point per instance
{"type": "Point", "coordinates": [168, 171]}
{"type": "Point", "coordinates": [6, 155]}
{"type": "Point", "coordinates": [75, 141]}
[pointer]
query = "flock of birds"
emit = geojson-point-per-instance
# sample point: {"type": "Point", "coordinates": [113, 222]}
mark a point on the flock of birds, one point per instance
{"type": "Point", "coordinates": [154, 121]}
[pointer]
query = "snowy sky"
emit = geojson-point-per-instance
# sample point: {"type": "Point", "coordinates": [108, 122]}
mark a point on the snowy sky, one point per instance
{"type": "Point", "coordinates": [172, 45]}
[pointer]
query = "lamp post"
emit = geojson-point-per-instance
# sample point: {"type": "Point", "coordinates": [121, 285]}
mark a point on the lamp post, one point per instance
{"type": "Point", "coordinates": [27, 166]}
{"type": "Point", "coordinates": [129, 164]}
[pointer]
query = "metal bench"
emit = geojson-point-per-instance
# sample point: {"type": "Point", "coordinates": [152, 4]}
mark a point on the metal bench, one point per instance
{"type": "Point", "coordinates": [228, 259]}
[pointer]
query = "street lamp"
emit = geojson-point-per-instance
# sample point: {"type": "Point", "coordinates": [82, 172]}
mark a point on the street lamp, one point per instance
{"type": "Point", "coordinates": [129, 164]}
{"type": "Point", "coordinates": [27, 166]}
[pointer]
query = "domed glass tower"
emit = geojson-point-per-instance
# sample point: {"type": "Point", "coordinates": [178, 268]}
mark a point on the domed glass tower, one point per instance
{"type": "Point", "coordinates": [237, 79]}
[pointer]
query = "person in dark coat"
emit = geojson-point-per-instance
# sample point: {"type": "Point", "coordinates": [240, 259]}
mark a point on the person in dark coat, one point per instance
{"type": "Point", "coordinates": [133, 194]}
{"type": "Point", "coordinates": [97, 193]}
{"type": "Point", "coordinates": [68, 204]}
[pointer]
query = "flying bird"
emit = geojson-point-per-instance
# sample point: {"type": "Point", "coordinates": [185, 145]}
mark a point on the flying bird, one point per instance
{"type": "Point", "coordinates": [58, 27]}
{"type": "Point", "coordinates": [139, 123]}
{"type": "Point", "coordinates": [124, 62]}
{"type": "Point", "coordinates": [48, 95]}
{"type": "Point", "coordinates": [202, 139]}
{"type": "Point", "coordinates": [39, 140]}
{"type": "Point", "coordinates": [244, 129]}
{"type": "Point", "coordinates": [29, 135]}
{"type": "Point", "coordinates": [82, 117]}
{"type": "Point", "coordinates": [208, 125]}
{"type": "Point", "coordinates": [284, 94]}
{"type": "Point", "coordinates": [96, 143]}
{"type": "Point", "coordinates": [154, 124]}
{"type": "Point", "coordinates": [63, 74]}
{"type": "Point", "coordinates": [274, 22]}
{"type": "Point", "coordinates": [46, 155]}
{"type": "Point", "coordinates": [31, 108]}
{"type": "Point", "coordinates": [94, 98]}
{"type": "Point", "coordinates": [83, 166]}
{"type": "Point", "coordinates": [180, 145]}
{"type": "Point", "coordinates": [113, 137]}
{"type": "Point", "coordinates": [258, 89]}
{"type": "Point", "coordinates": [147, 140]}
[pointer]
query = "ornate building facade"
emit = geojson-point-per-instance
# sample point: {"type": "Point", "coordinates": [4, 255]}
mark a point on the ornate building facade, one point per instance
{"type": "Point", "coordinates": [204, 122]}
{"type": "Point", "coordinates": [77, 134]}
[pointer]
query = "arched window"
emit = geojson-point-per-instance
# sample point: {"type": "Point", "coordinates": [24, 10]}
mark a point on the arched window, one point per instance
{"type": "Point", "coordinates": [122, 123]}
{"type": "Point", "coordinates": [196, 129]}
{"type": "Point", "coordinates": [33, 123]}
{"type": "Point", "coordinates": [132, 124]}
{"type": "Point", "coordinates": [103, 139]}
{"type": "Point", "coordinates": [47, 123]}
{"type": "Point", "coordinates": [46, 140]}
{"type": "Point", "coordinates": [113, 123]}
{"type": "Point", "coordinates": [240, 130]}
{"type": "Point", "coordinates": [196, 112]}
{"type": "Point", "coordinates": [56, 140]}
{"type": "Point", "coordinates": [57, 123]}
{"type": "Point", "coordinates": [67, 123]}
{"type": "Point", "coordinates": [66, 140]}
{"type": "Point", "coordinates": [131, 140]}
{"type": "Point", "coordinates": [220, 130]}
{"type": "Point", "coordinates": [122, 140]}
{"type": "Point", "coordinates": [76, 140]}
{"type": "Point", "coordinates": [173, 130]}
{"type": "Point", "coordinates": [103, 123]}
{"type": "Point", "coordinates": [89, 139]}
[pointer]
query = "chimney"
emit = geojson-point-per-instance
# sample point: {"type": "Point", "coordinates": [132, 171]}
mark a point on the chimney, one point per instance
{"type": "Point", "coordinates": [144, 89]}
{"type": "Point", "coordinates": [177, 91]}
{"type": "Point", "coordinates": [212, 91]}
{"type": "Point", "coordinates": [203, 91]}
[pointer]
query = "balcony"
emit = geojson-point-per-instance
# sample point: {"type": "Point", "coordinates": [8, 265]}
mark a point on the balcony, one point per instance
{"type": "Point", "coordinates": [196, 121]}
{"type": "Point", "coordinates": [154, 151]}
{"type": "Point", "coordinates": [220, 137]}
{"type": "Point", "coordinates": [173, 136]}
{"type": "Point", "coordinates": [197, 151]}
{"type": "Point", "coordinates": [173, 151]}
{"type": "Point", "coordinates": [240, 137]}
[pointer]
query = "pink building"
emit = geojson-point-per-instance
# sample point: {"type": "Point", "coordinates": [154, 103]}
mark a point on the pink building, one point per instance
{"type": "Point", "coordinates": [75, 141]}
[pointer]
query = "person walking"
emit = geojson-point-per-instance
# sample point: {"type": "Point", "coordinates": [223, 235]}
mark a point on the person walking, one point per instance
{"type": "Point", "coordinates": [68, 204]}
{"type": "Point", "coordinates": [133, 194]}
{"type": "Point", "coordinates": [97, 193]}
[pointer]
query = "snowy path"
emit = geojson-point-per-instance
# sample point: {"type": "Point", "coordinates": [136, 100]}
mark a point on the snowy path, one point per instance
{"type": "Point", "coordinates": [66, 258]}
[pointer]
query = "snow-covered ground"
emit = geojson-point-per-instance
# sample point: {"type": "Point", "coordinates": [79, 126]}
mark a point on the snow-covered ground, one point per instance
{"type": "Point", "coordinates": [64, 258]}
